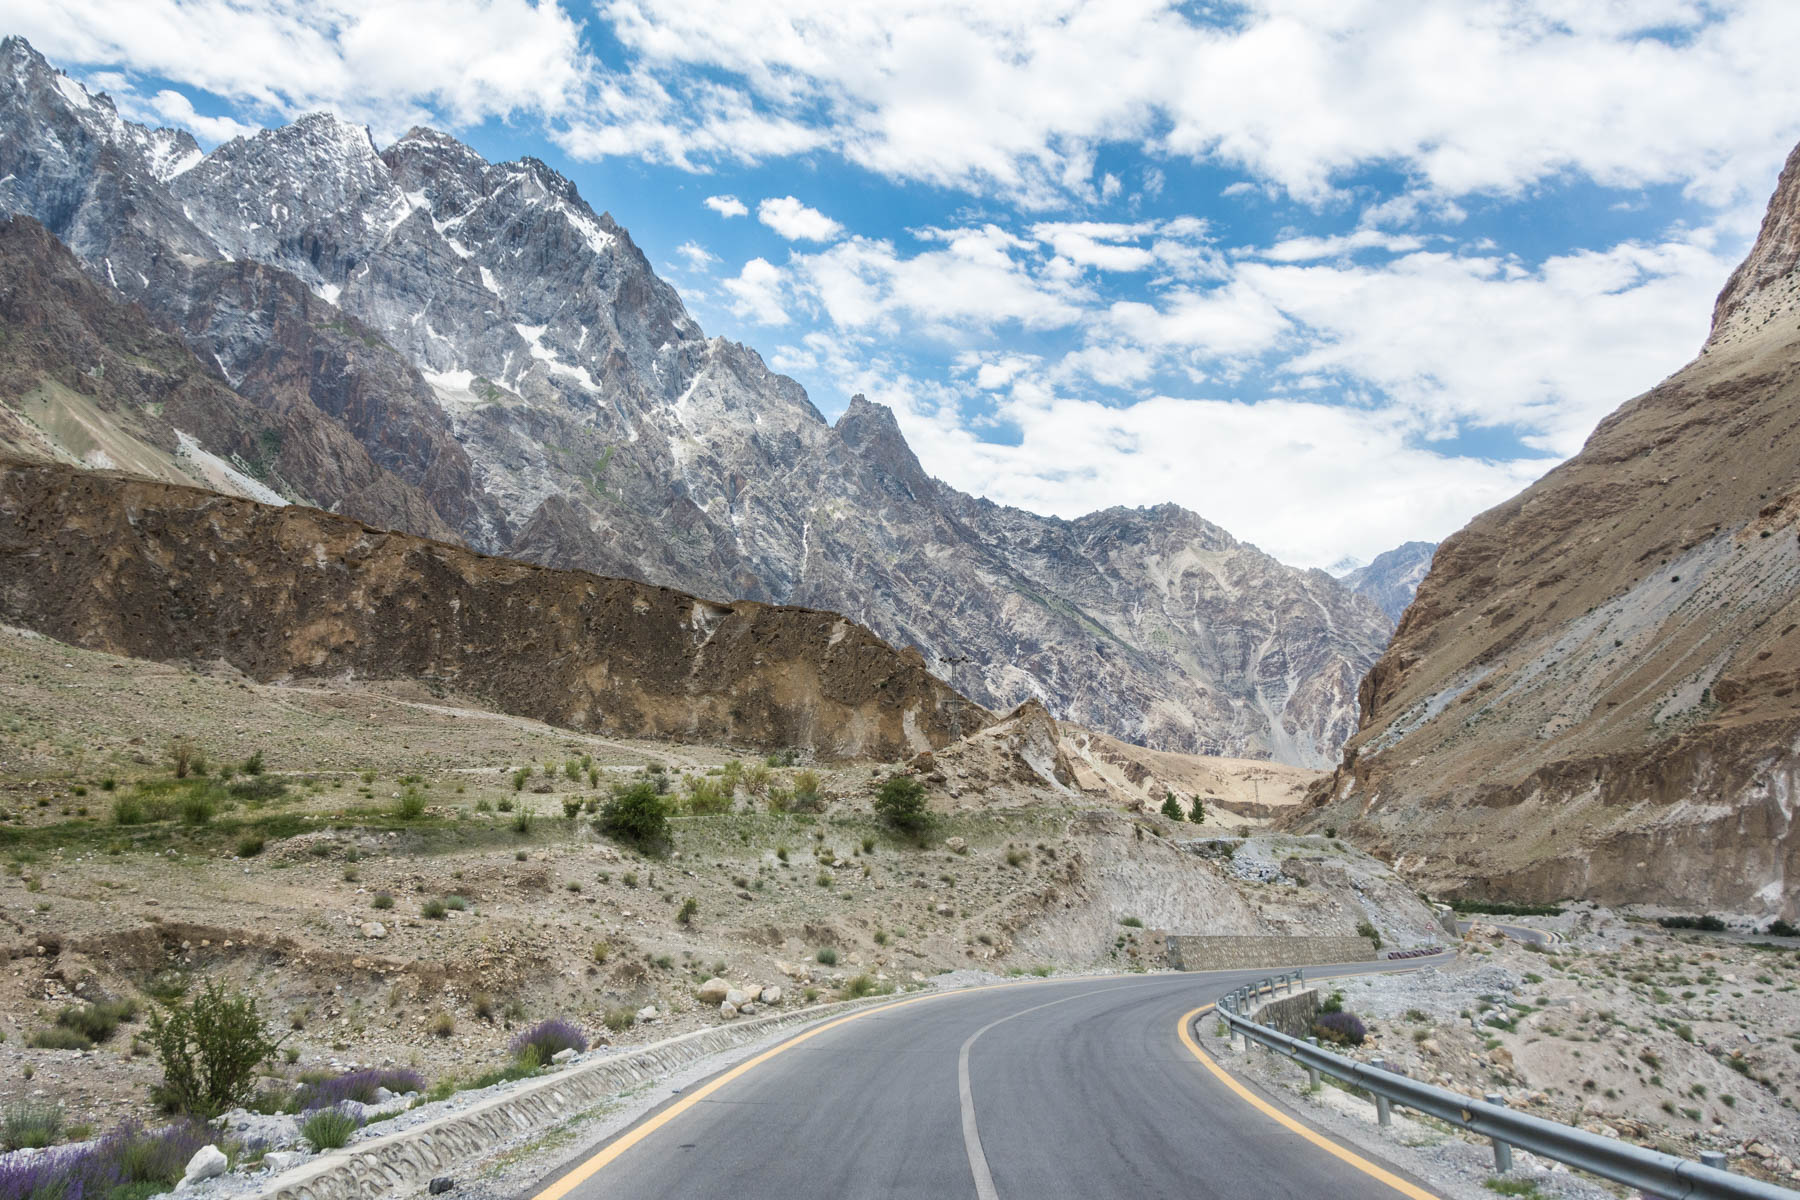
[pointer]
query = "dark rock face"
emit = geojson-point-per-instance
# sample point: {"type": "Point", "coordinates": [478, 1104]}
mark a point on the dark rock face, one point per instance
{"type": "Point", "coordinates": [137, 567]}
{"type": "Point", "coordinates": [509, 355]}
{"type": "Point", "coordinates": [1393, 579]}
{"type": "Point", "coordinates": [1593, 693]}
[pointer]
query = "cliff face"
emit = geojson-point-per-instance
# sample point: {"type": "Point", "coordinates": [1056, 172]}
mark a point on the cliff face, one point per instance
{"type": "Point", "coordinates": [1594, 693]}
{"type": "Point", "coordinates": [153, 570]}
{"type": "Point", "coordinates": [506, 356]}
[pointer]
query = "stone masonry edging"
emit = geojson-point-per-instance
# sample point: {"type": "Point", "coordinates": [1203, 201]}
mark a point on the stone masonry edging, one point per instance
{"type": "Point", "coordinates": [1192, 952]}
{"type": "Point", "coordinates": [411, 1157]}
{"type": "Point", "coordinates": [1292, 1015]}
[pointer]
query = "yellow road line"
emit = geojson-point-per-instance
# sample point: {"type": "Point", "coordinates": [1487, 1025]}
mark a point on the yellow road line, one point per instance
{"type": "Point", "coordinates": [1274, 1114]}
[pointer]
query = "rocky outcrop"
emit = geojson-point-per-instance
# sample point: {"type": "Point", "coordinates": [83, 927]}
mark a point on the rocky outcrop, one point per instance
{"type": "Point", "coordinates": [1393, 578]}
{"type": "Point", "coordinates": [509, 355]}
{"type": "Point", "coordinates": [1594, 693]}
{"type": "Point", "coordinates": [158, 571]}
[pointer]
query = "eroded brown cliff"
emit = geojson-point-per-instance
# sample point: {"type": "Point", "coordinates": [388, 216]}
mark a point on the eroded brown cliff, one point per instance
{"type": "Point", "coordinates": [1594, 693]}
{"type": "Point", "coordinates": [174, 573]}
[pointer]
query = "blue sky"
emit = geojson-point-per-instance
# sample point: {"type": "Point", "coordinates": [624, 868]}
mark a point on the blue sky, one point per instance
{"type": "Point", "coordinates": [1335, 274]}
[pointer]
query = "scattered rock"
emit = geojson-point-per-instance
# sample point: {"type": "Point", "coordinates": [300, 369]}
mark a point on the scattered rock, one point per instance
{"type": "Point", "coordinates": [714, 991]}
{"type": "Point", "coordinates": [647, 1013]}
{"type": "Point", "coordinates": [728, 1010]}
{"type": "Point", "coordinates": [277, 1161]}
{"type": "Point", "coordinates": [374, 930]}
{"type": "Point", "coordinates": [441, 1184]}
{"type": "Point", "coordinates": [563, 1055]}
{"type": "Point", "coordinates": [771, 994]}
{"type": "Point", "coordinates": [209, 1162]}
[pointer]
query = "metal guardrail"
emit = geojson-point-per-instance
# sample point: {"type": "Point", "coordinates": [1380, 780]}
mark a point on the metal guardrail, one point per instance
{"type": "Point", "coordinates": [1659, 1176]}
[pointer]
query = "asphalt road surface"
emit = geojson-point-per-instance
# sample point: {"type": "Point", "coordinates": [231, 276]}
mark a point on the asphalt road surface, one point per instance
{"type": "Point", "coordinates": [1518, 933]}
{"type": "Point", "coordinates": [1079, 1088]}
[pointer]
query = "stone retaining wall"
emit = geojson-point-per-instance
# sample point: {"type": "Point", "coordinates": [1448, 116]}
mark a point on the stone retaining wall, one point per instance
{"type": "Point", "coordinates": [409, 1158]}
{"type": "Point", "coordinates": [1292, 1015]}
{"type": "Point", "coordinates": [1190, 952]}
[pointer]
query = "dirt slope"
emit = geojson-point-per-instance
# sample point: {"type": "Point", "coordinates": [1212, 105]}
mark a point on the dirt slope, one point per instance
{"type": "Point", "coordinates": [177, 574]}
{"type": "Point", "coordinates": [1594, 692]}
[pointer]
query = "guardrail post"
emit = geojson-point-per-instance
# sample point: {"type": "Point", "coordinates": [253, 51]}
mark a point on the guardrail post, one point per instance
{"type": "Point", "coordinates": [1714, 1159]}
{"type": "Point", "coordinates": [1312, 1072]}
{"type": "Point", "coordinates": [1502, 1150]}
{"type": "Point", "coordinates": [1384, 1109]}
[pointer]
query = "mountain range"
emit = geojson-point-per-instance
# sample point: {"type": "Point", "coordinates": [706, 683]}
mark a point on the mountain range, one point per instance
{"type": "Point", "coordinates": [467, 351]}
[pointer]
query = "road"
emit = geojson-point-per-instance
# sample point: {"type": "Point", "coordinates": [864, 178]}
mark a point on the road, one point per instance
{"type": "Point", "coordinates": [1518, 933]}
{"type": "Point", "coordinates": [1078, 1087]}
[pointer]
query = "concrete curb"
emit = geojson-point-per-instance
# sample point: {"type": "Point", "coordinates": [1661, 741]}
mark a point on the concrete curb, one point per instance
{"type": "Point", "coordinates": [410, 1158]}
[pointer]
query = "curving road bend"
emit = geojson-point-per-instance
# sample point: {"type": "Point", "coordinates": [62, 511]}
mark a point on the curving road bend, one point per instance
{"type": "Point", "coordinates": [1076, 1087]}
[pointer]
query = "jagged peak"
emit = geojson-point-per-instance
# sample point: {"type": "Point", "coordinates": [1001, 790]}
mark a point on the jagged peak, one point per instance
{"type": "Point", "coordinates": [1773, 259]}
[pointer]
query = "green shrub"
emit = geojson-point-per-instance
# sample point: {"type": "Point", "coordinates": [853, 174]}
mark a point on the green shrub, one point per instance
{"type": "Point", "coordinates": [860, 986]}
{"type": "Point", "coordinates": [827, 956]}
{"type": "Point", "coordinates": [210, 1049]}
{"type": "Point", "coordinates": [619, 1018]}
{"type": "Point", "coordinates": [433, 910]}
{"type": "Point", "coordinates": [128, 810]}
{"type": "Point", "coordinates": [29, 1126]}
{"type": "Point", "coordinates": [523, 820]}
{"type": "Point", "coordinates": [254, 764]}
{"type": "Point", "coordinates": [1368, 930]}
{"type": "Point", "coordinates": [411, 806]}
{"type": "Point", "coordinates": [329, 1128]}
{"type": "Point", "coordinates": [382, 900]}
{"type": "Point", "coordinates": [58, 1037]}
{"type": "Point", "coordinates": [1504, 909]}
{"type": "Point", "coordinates": [706, 798]}
{"type": "Point", "coordinates": [1781, 928]}
{"type": "Point", "coordinates": [900, 803]}
{"type": "Point", "coordinates": [519, 777]}
{"type": "Point", "coordinates": [456, 903]}
{"type": "Point", "coordinates": [1198, 814]}
{"type": "Point", "coordinates": [1132, 922]}
{"type": "Point", "coordinates": [636, 814]}
{"type": "Point", "coordinates": [98, 1020]}
{"type": "Point", "coordinates": [197, 808]}
{"type": "Point", "coordinates": [1709, 924]}
{"type": "Point", "coordinates": [690, 908]}
{"type": "Point", "coordinates": [571, 807]}
{"type": "Point", "coordinates": [249, 847]}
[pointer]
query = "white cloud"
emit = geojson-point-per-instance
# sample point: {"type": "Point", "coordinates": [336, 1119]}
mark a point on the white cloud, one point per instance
{"type": "Point", "coordinates": [1466, 96]}
{"type": "Point", "coordinates": [175, 109]}
{"type": "Point", "coordinates": [756, 293]}
{"type": "Point", "coordinates": [698, 257]}
{"type": "Point", "coordinates": [391, 64]}
{"type": "Point", "coordinates": [726, 206]}
{"type": "Point", "coordinates": [795, 221]}
{"type": "Point", "coordinates": [1307, 248]}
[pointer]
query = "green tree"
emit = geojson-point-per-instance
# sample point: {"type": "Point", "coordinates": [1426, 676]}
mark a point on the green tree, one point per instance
{"type": "Point", "coordinates": [1198, 815]}
{"type": "Point", "coordinates": [210, 1049]}
{"type": "Point", "coordinates": [636, 814]}
{"type": "Point", "coordinates": [1171, 807]}
{"type": "Point", "coordinates": [900, 803]}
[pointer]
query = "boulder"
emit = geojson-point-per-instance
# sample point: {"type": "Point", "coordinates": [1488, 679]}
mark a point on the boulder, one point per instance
{"type": "Point", "coordinates": [647, 1013]}
{"type": "Point", "coordinates": [714, 991]}
{"type": "Point", "coordinates": [955, 845]}
{"type": "Point", "coordinates": [374, 930]}
{"type": "Point", "coordinates": [563, 1055]}
{"type": "Point", "coordinates": [277, 1161]}
{"type": "Point", "coordinates": [728, 1010]}
{"type": "Point", "coordinates": [208, 1163]}
{"type": "Point", "coordinates": [737, 998]}
{"type": "Point", "coordinates": [771, 994]}
{"type": "Point", "coordinates": [748, 1008]}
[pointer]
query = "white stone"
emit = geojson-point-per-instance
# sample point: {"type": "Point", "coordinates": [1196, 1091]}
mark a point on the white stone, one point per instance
{"type": "Point", "coordinates": [563, 1055]}
{"type": "Point", "coordinates": [208, 1163]}
{"type": "Point", "coordinates": [280, 1160]}
{"type": "Point", "coordinates": [737, 998]}
{"type": "Point", "coordinates": [647, 1013]}
{"type": "Point", "coordinates": [374, 930]}
{"type": "Point", "coordinates": [771, 994]}
{"type": "Point", "coordinates": [728, 1010]}
{"type": "Point", "coordinates": [748, 1008]}
{"type": "Point", "coordinates": [714, 991]}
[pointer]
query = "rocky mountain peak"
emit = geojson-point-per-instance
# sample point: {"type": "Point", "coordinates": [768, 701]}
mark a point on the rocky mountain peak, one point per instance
{"type": "Point", "coordinates": [1766, 285]}
{"type": "Point", "coordinates": [871, 430]}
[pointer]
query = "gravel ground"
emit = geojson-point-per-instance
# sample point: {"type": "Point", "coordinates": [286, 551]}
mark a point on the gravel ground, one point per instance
{"type": "Point", "coordinates": [1451, 1165]}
